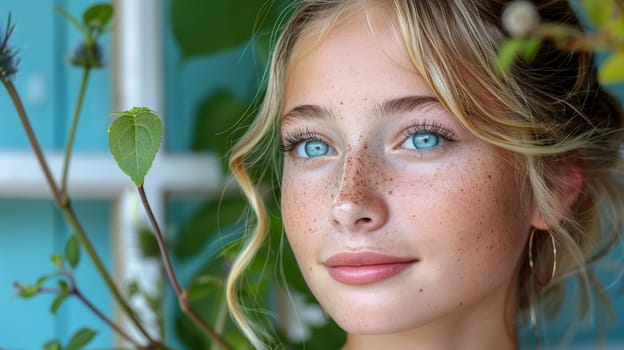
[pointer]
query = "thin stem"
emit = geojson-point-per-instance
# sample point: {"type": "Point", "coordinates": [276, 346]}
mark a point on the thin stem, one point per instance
{"type": "Point", "coordinates": [221, 317]}
{"type": "Point", "coordinates": [74, 126]}
{"type": "Point", "coordinates": [180, 293]}
{"type": "Point", "coordinates": [70, 216]}
{"type": "Point", "coordinates": [58, 197]}
{"type": "Point", "coordinates": [76, 292]}
{"type": "Point", "coordinates": [98, 313]}
{"type": "Point", "coordinates": [64, 205]}
{"type": "Point", "coordinates": [161, 243]}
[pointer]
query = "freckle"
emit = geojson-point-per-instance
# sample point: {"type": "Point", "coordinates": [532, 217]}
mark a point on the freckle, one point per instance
{"type": "Point", "coordinates": [390, 192]}
{"type": "Point", "coordinates": [491, 247]}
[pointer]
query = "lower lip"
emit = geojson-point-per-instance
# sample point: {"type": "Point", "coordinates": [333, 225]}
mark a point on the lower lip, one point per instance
{"type": "Point", "coordinates": [366, 274]}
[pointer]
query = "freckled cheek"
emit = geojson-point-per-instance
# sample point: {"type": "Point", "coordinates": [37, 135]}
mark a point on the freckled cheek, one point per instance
{"type": "Point", "coordinates": [303, 204]}
{"type": "Point", "coordinates": [489, 222]}
{"type": "Point", "coordinates": [467, 217]}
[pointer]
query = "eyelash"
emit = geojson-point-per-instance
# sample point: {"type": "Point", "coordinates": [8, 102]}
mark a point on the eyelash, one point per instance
{"type": "Point", "coordinates": [294, 138]}
{"type": "Point", "coordinates": [430, 127]}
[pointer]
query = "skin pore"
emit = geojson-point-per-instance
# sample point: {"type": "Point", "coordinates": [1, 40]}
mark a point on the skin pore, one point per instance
{"type": "Point", "coordinates": [377, 173]}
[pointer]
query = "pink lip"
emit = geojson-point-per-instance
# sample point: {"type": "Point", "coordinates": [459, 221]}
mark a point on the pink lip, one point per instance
{"type": "Point", "coordinates": [365, 267]}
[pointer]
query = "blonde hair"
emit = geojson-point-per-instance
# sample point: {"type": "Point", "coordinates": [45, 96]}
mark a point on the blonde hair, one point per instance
{"type": "Point", "coordinates": [550, 112]}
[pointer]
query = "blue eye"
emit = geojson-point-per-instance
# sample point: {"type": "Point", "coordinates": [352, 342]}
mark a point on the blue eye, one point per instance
{"type": "Point", "coordinates": [423, 141]}
{"type": "Point", "coordinates": [313, 149]}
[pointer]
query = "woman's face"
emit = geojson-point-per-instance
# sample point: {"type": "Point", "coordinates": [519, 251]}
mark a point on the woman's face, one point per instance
{"type": "Point", "coordinates": [397, 215]}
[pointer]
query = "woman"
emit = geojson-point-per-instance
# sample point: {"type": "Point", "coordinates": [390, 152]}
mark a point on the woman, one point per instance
{"type": "Point", "coordinates": [428, 198]}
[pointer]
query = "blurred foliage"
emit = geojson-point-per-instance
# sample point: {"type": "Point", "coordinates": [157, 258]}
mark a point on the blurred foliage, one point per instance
{"type": "Point", "coordinates": [210, 237]}
{"type": "Point", "coordinates": [66, 287]}
{"type": "Point", "coordinates": [96, 20]}
{"type": "Point", "coordinates": [208, 27]}
{"type": "Point", "coordinates": [220, 120]}
{"type": "Point", "coordinates": [79, 340]}
{"type": "Point", "coordinates": [605, 35]}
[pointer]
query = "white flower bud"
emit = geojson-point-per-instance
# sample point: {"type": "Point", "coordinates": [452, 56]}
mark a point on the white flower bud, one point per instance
{"type": "Point", "coordinates": [520, 18]}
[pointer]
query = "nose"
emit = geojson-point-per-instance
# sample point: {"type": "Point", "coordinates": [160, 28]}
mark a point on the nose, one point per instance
{"type": "Point", "coordinates": [359, 205]}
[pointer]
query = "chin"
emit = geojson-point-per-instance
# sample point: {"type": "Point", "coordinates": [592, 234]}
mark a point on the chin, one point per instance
{"type": "Point", "coordinates": [369, 324]}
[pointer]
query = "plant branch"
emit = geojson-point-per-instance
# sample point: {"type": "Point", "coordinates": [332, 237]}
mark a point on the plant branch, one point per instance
{"type": "Point", "coordinates": [75, 291]}
{"type": "Point", "coordinates": [180, 293]}
{"type": "Point", "coordinates": [71, 217]}
{"type": "Point", "coordinates": [64, 205]}
{"type": "Point", "coordinates": [19, 106]}
{"type": "Point", "coordinates": [74, 126]}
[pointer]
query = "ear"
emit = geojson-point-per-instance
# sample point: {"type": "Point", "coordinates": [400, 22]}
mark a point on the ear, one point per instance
{"type": "Point", "coordinates": [568, 187]}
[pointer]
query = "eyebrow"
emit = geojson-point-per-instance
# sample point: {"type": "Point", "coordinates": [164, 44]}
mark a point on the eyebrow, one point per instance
{"type": "Point", "coordinates": [392, 106]}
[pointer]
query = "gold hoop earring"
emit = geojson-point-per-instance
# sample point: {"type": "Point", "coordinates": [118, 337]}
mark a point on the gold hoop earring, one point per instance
{"type": "Point", "coordinates": [531, 263]}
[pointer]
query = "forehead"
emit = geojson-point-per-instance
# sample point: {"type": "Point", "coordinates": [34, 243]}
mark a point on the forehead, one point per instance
{"type": "Point", "coordinates": [362, 50]}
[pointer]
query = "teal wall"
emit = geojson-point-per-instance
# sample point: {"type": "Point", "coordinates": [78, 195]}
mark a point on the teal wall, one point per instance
{"type": "Point", "coordinates": [31, 230]}
{"type": "Point", "coordinates": [48, 85]}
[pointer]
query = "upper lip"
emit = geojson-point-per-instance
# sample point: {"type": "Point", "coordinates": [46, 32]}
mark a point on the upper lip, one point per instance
{"type": "Point", "coordinates": [365, 258]}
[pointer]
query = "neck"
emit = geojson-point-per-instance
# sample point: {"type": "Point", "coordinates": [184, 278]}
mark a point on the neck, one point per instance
{"type": "Point", "coordinates": [489, 324]}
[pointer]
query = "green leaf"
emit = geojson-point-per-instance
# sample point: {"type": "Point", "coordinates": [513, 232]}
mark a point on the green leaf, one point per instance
{"type": "Point", "coordinates": [134, 111]}
{"type": "Point", "coordinates": [63, 286]}
{"type": "Point", "coordinates": [507, 54]}
{"type": "Point", "coordinates": [208, 222]}
{"type": "Point", "coordinates": [599, 11]}
{"type": "Point", "coordinates": [203, 27]}
{"type": "Point", "coordinates": [134, 140]}
{"type": "Point", "coordinates": [57, 302]}
{"type": "Point", "coordinates": [530, 48]}
{"type": "Point", "coordinates": [216, 126]}
{"type": "Point", "coordinates": [612, 70]}
{"type": "Point", "coordinates": [41, 280]}
{"type": "Point", "coordinates": [98, 15]}
{"type": "Point", "coordinates": [240, 342]}
{"type": "Point", "coordinates": [148, 243]}
{"type": "Point", "coordinates": [52, 345]}
{"type": "Point", "coordinates": [56, 260]}
{"type": "Point", "coordinates": [72, 20]}
{"type": "Point", "coordinates": [203, 285]}
{"type": "Point", "coordinates": [27, 291]}
{"type": "Point", "coordinates": [72, 251]}
{"type": "Point", "coordinates": [133, 288]}
{"type": "Point", "coordinates": [81, 339]}
{"type": "Point", "coordinates": [615, 28]}
{"type": "Point", "coordinates": [512, 49]}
